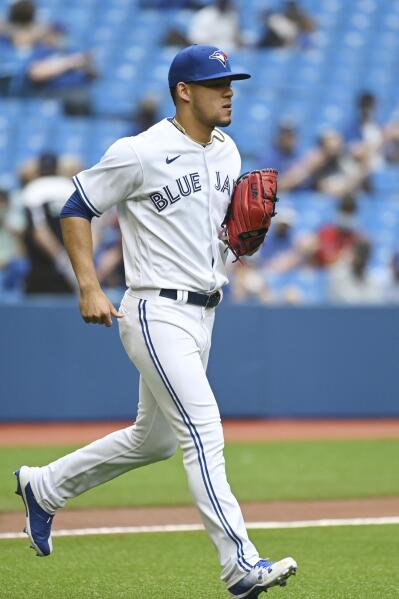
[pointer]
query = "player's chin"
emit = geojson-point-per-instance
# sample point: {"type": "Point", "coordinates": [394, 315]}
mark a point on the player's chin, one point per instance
{"type": "Point", "coordinates": [223, 121]}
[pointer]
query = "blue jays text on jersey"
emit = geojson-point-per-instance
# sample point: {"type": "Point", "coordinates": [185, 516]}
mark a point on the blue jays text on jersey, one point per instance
{"type": "Point", "coordinates": [185, 186]}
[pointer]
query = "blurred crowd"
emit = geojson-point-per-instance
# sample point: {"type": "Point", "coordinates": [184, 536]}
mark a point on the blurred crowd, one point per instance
{"type": "Point", "coordinates": [38, 61]}
{"type": "Point", "coordinates": [218, 24]}
{"type": "Point", "coordinates": [32, 256]}
{"type": "Point", "coordinates": [337, 255]}
{"type": "Point", "coordinates": [341, 165]}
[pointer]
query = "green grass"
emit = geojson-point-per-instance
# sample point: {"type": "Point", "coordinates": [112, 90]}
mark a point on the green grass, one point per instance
{"type": "Point", "coordinates": [257, 472]}
{"type": "Point", "coordinates": [334, 563]}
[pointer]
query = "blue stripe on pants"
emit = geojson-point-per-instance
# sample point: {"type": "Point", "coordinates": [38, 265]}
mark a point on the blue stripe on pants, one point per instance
{"type": "Point", "coordinates": [196, 438]}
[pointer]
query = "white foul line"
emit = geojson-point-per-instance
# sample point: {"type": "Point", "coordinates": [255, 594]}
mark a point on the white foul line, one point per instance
{"type": "Point", "coordinates": [112, 530]}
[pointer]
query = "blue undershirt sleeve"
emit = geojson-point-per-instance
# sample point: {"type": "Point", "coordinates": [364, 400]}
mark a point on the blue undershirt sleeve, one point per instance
{"type": "Point", "coordinates": [75, 206]}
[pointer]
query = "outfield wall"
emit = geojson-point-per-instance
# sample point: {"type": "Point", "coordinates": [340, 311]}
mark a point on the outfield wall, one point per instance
{"type": "Point", "coordinates": [265, 362]}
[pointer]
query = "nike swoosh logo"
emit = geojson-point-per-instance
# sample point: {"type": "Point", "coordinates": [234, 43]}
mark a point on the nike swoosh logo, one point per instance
{"type": "Point", "coordinates": [169, 160]}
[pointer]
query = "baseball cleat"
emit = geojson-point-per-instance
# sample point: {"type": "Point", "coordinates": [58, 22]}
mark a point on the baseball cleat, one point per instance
{"type": "Point", "coordinates": [264, 575]}
{"type": "Point", "coordinates": [38, 522]}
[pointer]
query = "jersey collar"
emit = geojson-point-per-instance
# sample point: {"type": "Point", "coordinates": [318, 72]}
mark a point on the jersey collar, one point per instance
{"type": "Point", "coordinates": [216, 134]}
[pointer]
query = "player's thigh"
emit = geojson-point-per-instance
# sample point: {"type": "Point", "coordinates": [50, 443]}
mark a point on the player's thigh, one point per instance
{"type": "Point", "coordinates": [168, 356]}
{"type": "Point", "coordinates": [152, 429]}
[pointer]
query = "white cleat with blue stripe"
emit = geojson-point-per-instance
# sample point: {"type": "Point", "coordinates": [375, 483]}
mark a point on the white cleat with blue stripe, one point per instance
{"type": "Point", "coordinates": [264, 575]}
{"type": "Point", "coordinates": [38, 522]}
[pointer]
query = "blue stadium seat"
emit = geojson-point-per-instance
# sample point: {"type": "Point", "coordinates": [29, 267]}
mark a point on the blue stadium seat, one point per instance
{"type": "Point", "coordinates": [311, 285]}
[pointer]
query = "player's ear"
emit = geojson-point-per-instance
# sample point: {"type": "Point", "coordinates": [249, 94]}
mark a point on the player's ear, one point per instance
{"type": "Point", "coordinates": [183, 91]}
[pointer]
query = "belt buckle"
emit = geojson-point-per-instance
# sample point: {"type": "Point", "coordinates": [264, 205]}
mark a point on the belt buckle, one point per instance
{"type": "Point", "coordinates": [213, 300]}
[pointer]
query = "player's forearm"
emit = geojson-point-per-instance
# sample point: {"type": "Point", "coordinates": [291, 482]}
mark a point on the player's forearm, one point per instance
{"type": "Point", "coordinates": [78, 243]}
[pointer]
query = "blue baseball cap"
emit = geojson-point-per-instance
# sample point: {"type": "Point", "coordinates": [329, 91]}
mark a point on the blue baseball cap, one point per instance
{"type": "Point", "coordinates": [201, 63]}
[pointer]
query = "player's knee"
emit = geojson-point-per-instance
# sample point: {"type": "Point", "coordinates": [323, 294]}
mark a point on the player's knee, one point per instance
{"type": "Point", "coordinates": [209, 436]}
{"type": "Point", "coordinates": [165, 449]}
{"type": "Point", "coordinates": [170, 449]}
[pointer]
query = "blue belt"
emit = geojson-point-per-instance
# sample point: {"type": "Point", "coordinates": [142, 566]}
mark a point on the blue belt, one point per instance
{"type": "Point", "coordinates": [199, 299]}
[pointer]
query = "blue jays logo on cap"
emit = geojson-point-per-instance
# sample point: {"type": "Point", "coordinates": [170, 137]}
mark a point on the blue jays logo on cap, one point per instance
{"type": "Point", "coordinates": [201, 63]}
{"type": "Point", "coordinates": [220, 56]}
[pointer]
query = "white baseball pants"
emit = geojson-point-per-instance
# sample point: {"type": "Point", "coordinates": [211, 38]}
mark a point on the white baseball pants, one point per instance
{"type": "Point", "coordinates": [169, 342]}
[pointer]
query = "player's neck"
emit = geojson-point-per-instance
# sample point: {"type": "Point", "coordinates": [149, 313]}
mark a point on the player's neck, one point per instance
{"type": "Point", "coordinates": [198, 132]}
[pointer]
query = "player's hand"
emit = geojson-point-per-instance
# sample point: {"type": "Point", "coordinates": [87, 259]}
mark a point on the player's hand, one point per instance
{"type": "Point", "coordinates": [96, 308]}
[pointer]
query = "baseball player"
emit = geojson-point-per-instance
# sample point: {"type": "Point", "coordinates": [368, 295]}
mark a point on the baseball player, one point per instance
{"type": "Point", "coordinates": [172, 185]}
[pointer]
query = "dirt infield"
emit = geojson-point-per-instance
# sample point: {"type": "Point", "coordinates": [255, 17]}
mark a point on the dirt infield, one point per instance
{"type": "Point", "coordinates": [56, 433]}
{"type": "Point", "coordinates": [254, 430]}
{"type": "Point", "coordinates": [275, 511]}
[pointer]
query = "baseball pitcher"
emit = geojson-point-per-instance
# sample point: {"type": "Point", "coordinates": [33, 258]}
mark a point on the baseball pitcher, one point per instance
{"type": "Point", "coordinates": [172, 186]}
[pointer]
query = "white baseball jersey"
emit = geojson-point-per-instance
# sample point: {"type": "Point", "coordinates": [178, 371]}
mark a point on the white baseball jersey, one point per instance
{"type": "Point", "coordinates": [172, 194]}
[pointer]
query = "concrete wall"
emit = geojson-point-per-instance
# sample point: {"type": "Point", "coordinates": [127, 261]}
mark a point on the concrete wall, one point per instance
{"type": "Point", "coordinates": [265, 362]}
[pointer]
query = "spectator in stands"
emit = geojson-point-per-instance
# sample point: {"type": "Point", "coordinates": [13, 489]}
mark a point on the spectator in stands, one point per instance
{"type": "Point", "coordinates": [21, 29]}
{"type": "Point", "coordinates": [366, 135]}
{"type": "Point", "coordinates": [391, 138]}
{"type": "Point", "coordinates": [286, 28]}
{"type": "Point", "coordinates": [330, 168]}
{"type": "Point", "coordinates": [68, 165]}
{"type": "Point", "coordinates": [216, 24]}
{"type": "Point", "coordinates": [108, 251]}
{"type": "Point", "coordinates": [284, 254]}
{"type": "Point", "coordinates": [351, 280]}
{"type": "Point", "coordinates": [13, 263]}
{"type": "Point", "coordinates": [284, 151]}
{"type": "Point", "coordinates": [19, 33]}
{"type": "Point", "coordinates": [392, 145]}
{"type": "Point", "coordinates": [45, 181]}
{"type": "Point", "coordinates": [374, 144]}
{"type": "Point", "coordinates": [36, 61]}
{"type": "Point", "coordinates": [29, 170]}
{"type": "Point", "coordinates": [334, 239]}
{"type": "Point", "coordinates": [50, 270]}
{"type": "Point", "coordinates": [364, 126]}
{"type": "Point", "coordinates": [247, 282]}
{"type": "Point", "coordinates": [280, 252]}
{"type": "Point", "coordinates": [53, 70]}
{"type": "Point", "coordinates": [145, 115]}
